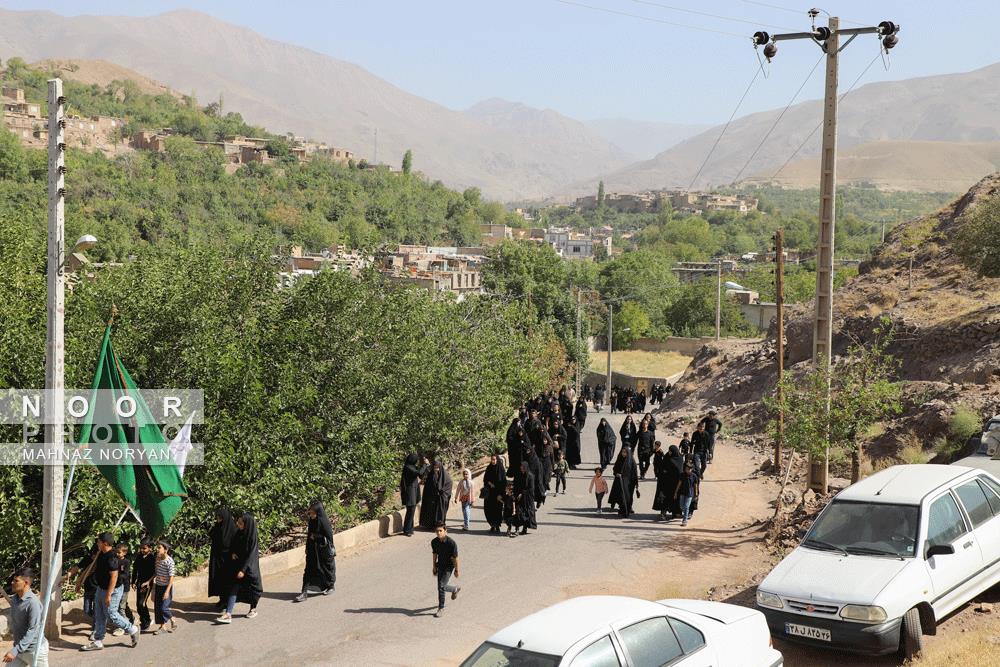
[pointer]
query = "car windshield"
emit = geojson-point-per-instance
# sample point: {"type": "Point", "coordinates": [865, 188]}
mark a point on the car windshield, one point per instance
{"type": "Point", "coordinates": [495, 655]}
{"type": "Point", "coordinates": [871, 529]}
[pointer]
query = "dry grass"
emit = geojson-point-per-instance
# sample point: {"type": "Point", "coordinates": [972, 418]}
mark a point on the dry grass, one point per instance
{"type": "Point", "coordinates": [974, 646]}
{"type": "Point", "coordinates": [912, 450]}
{"type": "Point", "coordinates": [639, 363]}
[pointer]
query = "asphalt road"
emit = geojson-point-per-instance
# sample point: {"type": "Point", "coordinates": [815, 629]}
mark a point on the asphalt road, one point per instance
{"type": "Point", "coordinates": [381, 612]}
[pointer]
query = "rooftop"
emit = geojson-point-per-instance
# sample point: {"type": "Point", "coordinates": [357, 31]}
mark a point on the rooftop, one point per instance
{"type": "Point", "coordinates": [554, 630]}
{"type": "Point", "coordinates": [903, 484]}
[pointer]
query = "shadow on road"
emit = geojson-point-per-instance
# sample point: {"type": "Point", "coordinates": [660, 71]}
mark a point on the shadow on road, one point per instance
{"type": "Point", "coordinates": [424, 611]}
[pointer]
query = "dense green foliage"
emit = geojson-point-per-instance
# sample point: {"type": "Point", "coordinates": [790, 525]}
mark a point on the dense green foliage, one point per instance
{"type": "Point", "coordinates": [310, 392]}
{"type": "Point", "coordinates": [978, 241]}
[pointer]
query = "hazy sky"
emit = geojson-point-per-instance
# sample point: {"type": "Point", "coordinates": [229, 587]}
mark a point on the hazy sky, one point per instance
{"type": "Point", "coordinates": [589, 63]}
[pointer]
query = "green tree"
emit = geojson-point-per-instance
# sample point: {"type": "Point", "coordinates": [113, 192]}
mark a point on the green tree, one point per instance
{"type": "Point", "coordinates": [407, 161]}
{"type": "Point", "coordinates": [630, 322]}
{"type": "Point", "coordinates": [977, 242]}
{"type": "Point", "coordinates": [600, 194]}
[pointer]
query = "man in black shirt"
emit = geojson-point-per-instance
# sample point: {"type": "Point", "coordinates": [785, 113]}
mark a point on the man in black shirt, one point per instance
{"type": "Point", "coordinates": [685, 444]}
{"type": "Point", "coordinates": [699, 448]}
{"type": "Point", "coordinates": [109, 595]}
{"type": "Point", "coordinates": [444, 554]}
{"type": "Point", "coordinates": [712, 427]}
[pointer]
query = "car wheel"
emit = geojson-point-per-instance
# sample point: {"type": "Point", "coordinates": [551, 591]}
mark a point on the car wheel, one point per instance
{"type": "Point", "coordinates": [911, 642]}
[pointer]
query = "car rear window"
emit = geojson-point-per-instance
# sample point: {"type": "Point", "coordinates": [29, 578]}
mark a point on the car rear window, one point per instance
{"type": "Point", "coordinates": [651, 643]}
{"type": "Point", "coordinates": [976, 504]}
{"type": "Point", "coordinates": [495, 655]}
{"type": "Point", "coordinates": [599, 654]}
{"type": "Point", "coordinates": [690, 637]}
{"type": "Point", "coordinates": [992, 493]}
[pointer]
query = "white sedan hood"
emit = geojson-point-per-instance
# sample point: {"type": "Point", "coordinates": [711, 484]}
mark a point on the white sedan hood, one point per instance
{"type": "Point", "coordinates": [807, 574]}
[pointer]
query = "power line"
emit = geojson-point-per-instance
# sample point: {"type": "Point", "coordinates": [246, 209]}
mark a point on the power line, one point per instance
{"type": "Point", "coordinates": [797, 12]}
{"type": "Point", "coordinates": [709, 15]}
{"type": "Point", "coordinates": [607, 10]}
{"type": "Point", "coordinates": [820, 124]}
{"type": "Point", "coordinates": [780, 116]}
{"type": "Point", "coordinates": [756, 73]}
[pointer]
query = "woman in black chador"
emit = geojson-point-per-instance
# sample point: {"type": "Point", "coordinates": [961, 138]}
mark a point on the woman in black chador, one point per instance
{"type": "Point", "coordinates": [606, 440]}
{"type": "Point", "coordinates": [516, 442]}
{"type": "Point", "coordinates": [667, 476]}
{"type": "Point", "coordinates": [429, 497]}
{"type": "Point", "coordinates": [221, 533]}
{"type": "Point", "coordinates": [581, 413]}
{"type": "Point", "coordinates": [243, 571]}
{"type": "Point", "coordinates": [442, 483]}
{"type": "Point", "coordinates": [628, 432]}
{"type": "Point", "coordinates": [321, 556]}
{"type": "Point", "coordinates": [524, 493]}
{"type": "Point", "coordinates": [494, 483]}
{"type": "Point", "coordinates": [409, 489]}
{"type": "Point", "coordinates": [626, 482]}
{"type": "Point", "coordinates": [573, 443]}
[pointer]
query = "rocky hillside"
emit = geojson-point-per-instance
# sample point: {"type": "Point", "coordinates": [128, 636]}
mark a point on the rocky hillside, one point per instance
{"type": "Point", "coordinates": [947, 322]}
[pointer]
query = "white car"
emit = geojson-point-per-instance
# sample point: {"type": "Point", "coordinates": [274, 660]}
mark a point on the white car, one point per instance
{"type": "Point", "coordinates": [611, 631]}
{"type": "Point", "coordinates": [888, 558]}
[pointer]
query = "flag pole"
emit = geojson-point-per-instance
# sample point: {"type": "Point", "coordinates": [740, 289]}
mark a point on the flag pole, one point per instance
{"type": "Point", "coordinates": [54, 569]}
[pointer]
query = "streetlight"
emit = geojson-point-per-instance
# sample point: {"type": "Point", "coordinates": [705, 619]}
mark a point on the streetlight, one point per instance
{"type": "Point", "coordinates": [611, 310]}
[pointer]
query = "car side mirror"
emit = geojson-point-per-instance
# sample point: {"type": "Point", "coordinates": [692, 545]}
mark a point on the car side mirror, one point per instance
{"type": "Point", "coordinates": [940, 550]}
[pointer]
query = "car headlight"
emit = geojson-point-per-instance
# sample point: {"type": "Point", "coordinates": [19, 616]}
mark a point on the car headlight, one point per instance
{"type": "Point", "coordinates": [771, 600]}
{"type": "Point", "coordinates": [864, 613]}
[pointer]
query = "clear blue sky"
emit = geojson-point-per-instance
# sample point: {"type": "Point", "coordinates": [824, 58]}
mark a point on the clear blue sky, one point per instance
{"type": "Point", "coordinates": [588, 63]}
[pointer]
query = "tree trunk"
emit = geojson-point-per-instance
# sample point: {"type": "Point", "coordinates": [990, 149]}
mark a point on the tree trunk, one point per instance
{"type": "Point", "coordinates": [781, 493]}
{"type": "Point", "coordinates": [856, 455]}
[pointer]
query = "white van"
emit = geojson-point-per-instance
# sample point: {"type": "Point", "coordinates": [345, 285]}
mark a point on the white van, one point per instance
{"type": "Point", "coordinates": [886, 559]}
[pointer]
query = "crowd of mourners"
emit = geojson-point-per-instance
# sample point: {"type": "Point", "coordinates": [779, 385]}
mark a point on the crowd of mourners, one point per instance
{"type": "Point", "coordinates": [542, 446]}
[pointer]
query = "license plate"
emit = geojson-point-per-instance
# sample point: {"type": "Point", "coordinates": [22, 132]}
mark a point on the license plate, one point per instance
{"type": "Point", "coordinates": [808, 632]}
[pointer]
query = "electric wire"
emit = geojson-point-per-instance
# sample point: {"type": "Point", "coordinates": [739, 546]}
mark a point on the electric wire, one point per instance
{"type": "Point", "coordinates": [798, 12]}
{"type": "Point", "coordinates": [720, 17]}
{"type": "Point", "coordinates": [756, 73]}
{"type": "Point", "coordinates": [608, 10]}
{"type": "Point", "coordinates": [780, 116]}
{"type": "Point", "coordinates": [820, 124]}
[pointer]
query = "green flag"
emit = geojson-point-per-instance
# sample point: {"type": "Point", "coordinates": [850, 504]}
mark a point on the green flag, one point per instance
{"type": "Point", "coordinates": [154, 490]}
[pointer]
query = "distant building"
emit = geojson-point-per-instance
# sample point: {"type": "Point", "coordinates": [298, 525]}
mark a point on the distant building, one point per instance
{"type": "Point", "coordinates": [495, 234]}
{"type": "Point", "coordinates": [436, 269]}
{"type": "Point", "coordinates": [690, 272]}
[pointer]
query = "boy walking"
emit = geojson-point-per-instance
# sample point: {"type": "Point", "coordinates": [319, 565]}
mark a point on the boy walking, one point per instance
{"type": "Point", "coordinates": [444, 554]}
{"type": "Point", "coordinates": [560, 469]}
{"type": "Point", "coordinates": [143, 573]}
{"type": "Point", "coordinates": [687, 490]}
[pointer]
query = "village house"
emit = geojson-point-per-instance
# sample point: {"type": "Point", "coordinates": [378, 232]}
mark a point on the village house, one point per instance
{"type": "Point", "coordinates": [495, 234]}
{"type": "Point", "coordinates": [436, 269]}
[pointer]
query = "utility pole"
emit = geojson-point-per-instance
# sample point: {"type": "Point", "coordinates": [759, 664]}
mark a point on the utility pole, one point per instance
{"type": "Point", "coordinates": [779, 288]}
{"type": "Point", "coordinates": [579, 297]}
{"type": "Point", "coordinates": [718, 303]}
{"type": "Point", "coordinates": [52, 477]}
{"type": "Point", "coordinates": [883, 231]}
{"type": "Point", "coordinates": [607, 387]}
{"type": "Point", "coordinates": [375, 156]}
{"type": "Point", "coordinates": [828, 39]}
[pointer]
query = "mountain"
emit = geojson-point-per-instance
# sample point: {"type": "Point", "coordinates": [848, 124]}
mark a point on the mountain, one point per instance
{"type": "Point", "coordinates": [954, 107]}
{"type": "Point", "coordinates": [927, 166]}
{"type": "Point", "coordinates": [545, 130]}
{"type": "Point", "coordinates": [289, 88]}
{"type": "Point", "coordinates": [643, 139]}
{"type": "Point", "coordinates": [102, 72]}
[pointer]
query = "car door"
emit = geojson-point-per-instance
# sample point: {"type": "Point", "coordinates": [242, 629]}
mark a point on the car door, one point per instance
{"type": "Point", "coordinates": [949, 573]}
{"type": "Point", "coordinates": [979, 501]}
{"type": "Point", "coordinates": [653, 643]}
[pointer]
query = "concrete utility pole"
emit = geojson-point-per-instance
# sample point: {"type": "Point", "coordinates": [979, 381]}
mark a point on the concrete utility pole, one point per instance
{"type": "Point", "coordinates": [718, 303]}
{"type": "Point", "coordinates": [779, 288]}
{"type": "Point", "coordinates": [828, 39]}
{"type": "Point", "coordinates": [579, 298]}
{"type": "Point", "coordinates": [52, 480]}
{"type": "Point", "coordinates": [607, 387]}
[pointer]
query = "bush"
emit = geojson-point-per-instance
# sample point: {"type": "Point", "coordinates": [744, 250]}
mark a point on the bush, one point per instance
{"type": "Point", "coordinates": [977, 242]}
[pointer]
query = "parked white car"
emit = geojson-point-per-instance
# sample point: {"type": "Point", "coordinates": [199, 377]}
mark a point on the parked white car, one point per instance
{"type": "Point", "coordinates": [611, 631]}
{"type": "Point", "coordinates": [888, 558]}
